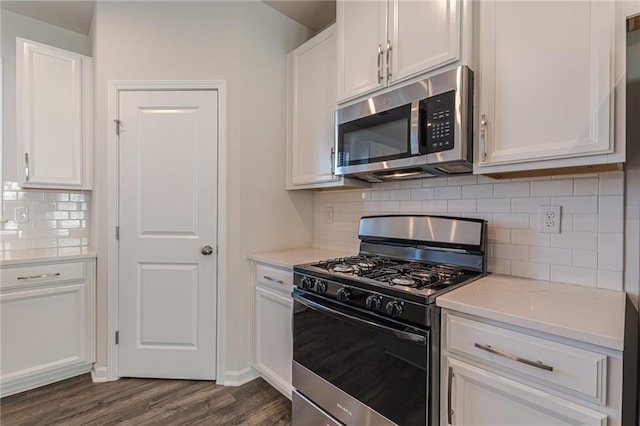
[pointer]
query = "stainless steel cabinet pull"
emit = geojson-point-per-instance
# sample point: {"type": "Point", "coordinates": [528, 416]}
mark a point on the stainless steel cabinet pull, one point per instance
{"type": "Point", "coordinates": [449, 383]}
{"type": "Point", "coordinates": [483, 137]}
{"type": "Point", "coordinates": [379, 63]}
{"type": "Point", "coordinates": [388, 60]}
{"type": "Point", "coordinates": [268, 278]}
{"type": "Point", "coordinates": [33, 277]}
{"type": "Point", "coordinates": [26, 167]}
{"type": "Point", "coordinates": [537, 364]}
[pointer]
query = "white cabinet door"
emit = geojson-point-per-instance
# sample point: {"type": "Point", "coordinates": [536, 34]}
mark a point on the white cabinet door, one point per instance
{"type": "Point", "coordinates": [424, 35]}
{"type": "Point", "coordinates": [53, 116]}
{"type": "Point", "coordinates": [312, 102]}
{"type": "Point", "coordinates": [311, 115]}
{"type": "Point", "coordinates": [274, 338]}
{"type": "Point", "coordinates": [362, 38]}
{"type": "Point", "coordinates": [479, 397]}
{"type": "Point", "coordinates": [47, 324]}
{"type": "Point", "coordinates": [545, 82]}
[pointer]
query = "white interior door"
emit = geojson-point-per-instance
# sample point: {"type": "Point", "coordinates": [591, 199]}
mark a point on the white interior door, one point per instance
{"type": "Point", "coordinates": [168, 213]}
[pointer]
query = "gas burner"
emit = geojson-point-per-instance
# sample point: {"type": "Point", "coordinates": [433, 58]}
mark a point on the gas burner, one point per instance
{"type": "Point", "coordinates": [403, 281]}
{"type": "Point", "coordinates": [364, 264]}
{"type": "Point", "coordinates": [344, 268]}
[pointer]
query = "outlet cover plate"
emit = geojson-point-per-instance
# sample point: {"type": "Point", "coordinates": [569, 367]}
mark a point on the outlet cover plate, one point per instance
{"type": "Point", "coordinates": [21, 215]}
{"type": "Point", "coordinates": [549, 219]}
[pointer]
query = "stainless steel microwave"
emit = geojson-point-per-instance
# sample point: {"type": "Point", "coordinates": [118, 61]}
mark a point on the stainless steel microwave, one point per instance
{"type": "Point", "coordinates": [424, 129]}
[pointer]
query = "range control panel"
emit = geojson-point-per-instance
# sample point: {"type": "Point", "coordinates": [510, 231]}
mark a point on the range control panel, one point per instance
{"type": "Point", "coordinates": [440, 122]}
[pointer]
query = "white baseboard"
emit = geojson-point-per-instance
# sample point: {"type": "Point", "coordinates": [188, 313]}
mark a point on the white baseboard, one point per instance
{"type": "Point", "coordinates": [100, 375]}
{"type": "Point", "coordinates": [31, 380]}
{"type": "Point", "coordinates": [239, 377]}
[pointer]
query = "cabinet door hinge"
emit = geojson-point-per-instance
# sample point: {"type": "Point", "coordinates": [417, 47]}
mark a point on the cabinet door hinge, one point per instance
{"type": "Point", "coordinates": [117, 337]}
{"type": "Point", "coordinates": [117, 232]}
{"type": "Point", "coordinates": [118, 123]}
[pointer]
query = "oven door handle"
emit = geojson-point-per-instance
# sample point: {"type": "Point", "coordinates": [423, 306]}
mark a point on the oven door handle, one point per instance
{"type": "Point", "coordinates": [379, 328]}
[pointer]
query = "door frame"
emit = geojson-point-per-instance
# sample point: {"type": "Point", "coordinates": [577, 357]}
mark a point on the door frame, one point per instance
{"type": "Point", "coordinates": [112, 219]}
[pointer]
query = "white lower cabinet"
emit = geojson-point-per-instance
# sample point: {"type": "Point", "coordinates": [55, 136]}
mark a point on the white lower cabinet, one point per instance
{"type": "Point", "coordinates": [47, 312]}
{"type": "Point", "coordinates": [273, 342]}
{"type": "Point", "coordinates": [499, 374]}
{"type": "Point", "coordinates": [481, 397]}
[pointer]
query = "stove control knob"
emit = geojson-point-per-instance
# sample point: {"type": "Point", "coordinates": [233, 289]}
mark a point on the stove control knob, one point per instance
{"type": "Point", "coordinates": [321, 287]}
{"type": "Point", "coordinates": [307, 283]}
{"type": "Point", "coordinates": [373, 303]}
{"type": "Point", "coordinates": [394, 309]}
{"type": "Point", "coordinates": [343, 294]}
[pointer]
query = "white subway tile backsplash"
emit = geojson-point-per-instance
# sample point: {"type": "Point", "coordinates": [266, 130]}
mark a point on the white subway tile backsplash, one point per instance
{"type": "Point", "coordinates": [530, 237]}
{"type": "Point", "coordinates": [460, 206]}
{"type": "Point", "coordinates": [52, 214]}
{"type": "Point", "coordinates": [434, 206]}
{"type": "Point", "coordinates": [551, 255]}
{"type": "Point", "coordinates": [528, 205]}
{"type": "Point", "coordinates": [610, 280]}
{"type": "Point", "coordinates": [400, 195]}
{"type": "Point", "coordinates": [536, 271]}
{"type": "Point", "coordinates": [380, 196]}
{"type": "Point", "coordinates": [477, 191]}
{"type": "Point", "coordinates": [585, 258]}
{"type": "Point", "coordinates": [572, 275]}
{"type": "Point", "coordinates": [552, 187]}
{"type": "Point", "coordinates": [578, 204]}
{"type": "Point", "coordinates": [511, 189]}
{"type": "Point", "coordinates": [610, 251]}
{"type": "Point", "coordinates": [462, 180]}
{"type": "Point", "coordinates": [577, 240]}
{"type": "Point", "coordinates": [511, 220]}
{"type": "Point", "coordinates": [587, 251]}
{"type": "Point", "coordinates": [448, 192]}
{"type": "Point", "coordinates": [585, 186]}
{"type": "Point", "coordinates": [494, 205]}
{"type": "Point", "coordinates": [611, 183]}
{"type": "Point", "coordinates": [611, 213]}
{"type": "Point", "coordinates": [411, 206]}
{"type": "Point", "coordinates": [585, 222]}
{"type": "Point", "coordinates": [498, 235]}
{"type": "Point", "coordinates": [422, 194]}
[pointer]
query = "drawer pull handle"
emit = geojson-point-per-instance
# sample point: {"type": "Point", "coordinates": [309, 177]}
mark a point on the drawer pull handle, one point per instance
{"type": "Point", "coordinates": [268, 278]}
{"type": "Point", "coordinates": [449, 383]}
{"type": "Point", "coordinates": [33, 277]}
{"type": "Point", "coordinates": [537, 364]}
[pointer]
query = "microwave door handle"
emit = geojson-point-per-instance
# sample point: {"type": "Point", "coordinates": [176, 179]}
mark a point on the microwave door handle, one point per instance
{"type": "Point", "coordinates": [414, 129]}
{"type": "Point", "coordinates": [378, 328]}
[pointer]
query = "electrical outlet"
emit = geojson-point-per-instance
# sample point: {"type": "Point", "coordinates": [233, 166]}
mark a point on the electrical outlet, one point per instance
{"type": "Point", "coordinates": [549, 219]}
{"type": "Point", "coordinates": [329, 214]}
{"type": "Point", "coordinates": [21, 215]}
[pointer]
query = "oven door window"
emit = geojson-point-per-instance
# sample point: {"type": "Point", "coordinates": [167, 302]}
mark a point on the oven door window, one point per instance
{"type": "Point", "coordinates": [380, 137]}
{"type": "Point", "coordinates": [362, 356]}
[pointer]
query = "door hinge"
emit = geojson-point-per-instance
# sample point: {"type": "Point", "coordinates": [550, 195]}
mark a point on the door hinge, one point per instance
{"type": "Point", "coordinates": [118, 122]}
{"type": "Point", "coordinates": [117, 232]}
{"type": "Point", "coordinates": [117, 337]}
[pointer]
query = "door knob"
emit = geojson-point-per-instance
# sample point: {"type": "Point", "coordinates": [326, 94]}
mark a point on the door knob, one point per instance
{"type": "Point", "coordinates": [206, 250]}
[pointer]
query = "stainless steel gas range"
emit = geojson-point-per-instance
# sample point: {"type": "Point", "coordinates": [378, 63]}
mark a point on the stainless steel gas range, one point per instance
{"type": "Point", "coordinates": [366, 330]}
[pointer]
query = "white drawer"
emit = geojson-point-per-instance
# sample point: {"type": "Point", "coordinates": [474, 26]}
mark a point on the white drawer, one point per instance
{"type": "Point", "coordinates": [34, 275]}
{"type": "Point", "coordinates": [274, 277]}
{"type": "Point", "coordinates": [554, 364]}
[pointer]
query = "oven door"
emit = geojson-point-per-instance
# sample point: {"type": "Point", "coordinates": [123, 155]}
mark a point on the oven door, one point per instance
{"type": "Point", "coordinates": [360, 368]}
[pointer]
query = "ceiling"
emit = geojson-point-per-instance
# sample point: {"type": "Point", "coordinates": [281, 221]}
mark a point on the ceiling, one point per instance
{"type": "Point", "coordinates": [76, 15]}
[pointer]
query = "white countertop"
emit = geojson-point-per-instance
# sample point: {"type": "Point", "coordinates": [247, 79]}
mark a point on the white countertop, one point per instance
{"type": "Point", "coordinates": [288, 258]}
{"type": "Point", "coordinates": [22, 257]}
{"type": "Point", "coordinates": [586, 314]}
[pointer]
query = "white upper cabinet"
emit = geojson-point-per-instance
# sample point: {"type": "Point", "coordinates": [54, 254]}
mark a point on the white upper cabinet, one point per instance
{"type": "Point", "coordinates": [53, 117]}
{"type": "Point", "coordinates": [311, 115]}
{"type": "Point", "coordinates": [546, 83]}
{"type": "Point", "coordinates": [387, 41]}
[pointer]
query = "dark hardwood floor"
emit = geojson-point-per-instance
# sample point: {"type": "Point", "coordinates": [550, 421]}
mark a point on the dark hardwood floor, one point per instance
{"type": "Point", "coordinates": [79, 401]}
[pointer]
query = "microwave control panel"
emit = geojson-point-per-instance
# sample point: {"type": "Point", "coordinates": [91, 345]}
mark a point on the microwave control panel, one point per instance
{"type": "Point", "coordinates": [440, 122]}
